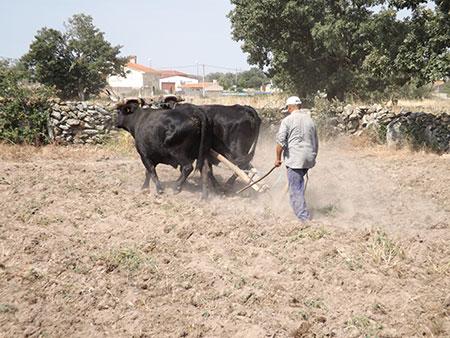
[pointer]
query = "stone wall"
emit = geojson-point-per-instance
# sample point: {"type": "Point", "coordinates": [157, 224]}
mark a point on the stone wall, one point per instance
{"type": "Point", "coordinates": [418, 129]}
{"type": "Point", "coordinates": [79, 122]}
{"type": "Point", "coordinates": [415, 128]}
{"type": "Point", "coordinates": [86, 122]}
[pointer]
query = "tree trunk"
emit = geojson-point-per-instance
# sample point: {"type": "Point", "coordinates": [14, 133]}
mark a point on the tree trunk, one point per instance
{"type": "Point", "coordinates": [336, 93]}
{"type": "Point", "coordinates": [81, 92]}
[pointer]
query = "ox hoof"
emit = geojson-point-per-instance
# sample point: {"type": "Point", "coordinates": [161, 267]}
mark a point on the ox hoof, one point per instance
{"type": "Point", "coordinates": [160, 192]}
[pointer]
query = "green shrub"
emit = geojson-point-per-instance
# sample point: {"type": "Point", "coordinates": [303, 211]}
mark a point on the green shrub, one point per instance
{"type": "Point", "coordinates": [23, 108]}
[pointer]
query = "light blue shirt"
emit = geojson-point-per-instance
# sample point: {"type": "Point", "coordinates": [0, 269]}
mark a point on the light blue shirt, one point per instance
{"type": "Point", "coordinates": [298, 137]}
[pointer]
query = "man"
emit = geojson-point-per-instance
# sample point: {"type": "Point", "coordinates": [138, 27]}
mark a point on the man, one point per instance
{"type": "Point", "coordinates": [297, 140]}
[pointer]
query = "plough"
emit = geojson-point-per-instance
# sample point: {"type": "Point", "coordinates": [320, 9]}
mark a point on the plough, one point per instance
{"type": "Point", "coordinates": [252, 178]}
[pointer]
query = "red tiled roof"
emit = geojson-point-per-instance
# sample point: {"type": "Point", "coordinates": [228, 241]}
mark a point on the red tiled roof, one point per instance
{"type": "Point", "coordinates": [168, 73]}
{"type": "Point", "coordinates": [141, 68]}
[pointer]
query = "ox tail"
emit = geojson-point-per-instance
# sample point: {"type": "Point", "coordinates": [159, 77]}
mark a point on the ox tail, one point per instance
{"type": "Point", "coordinates": [205, 137]}
{"type": "Point", "coordinates": [245, 160]}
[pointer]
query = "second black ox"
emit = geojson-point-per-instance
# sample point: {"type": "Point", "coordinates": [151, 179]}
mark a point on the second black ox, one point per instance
{"type": "Point", "coordinates": [235, 134]}
{"type": "Point", "coordinates": [175, 137]}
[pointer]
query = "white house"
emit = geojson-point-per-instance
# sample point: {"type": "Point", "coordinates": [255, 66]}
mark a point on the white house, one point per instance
{"type": "Point", "coordinates": [138, 81]}
{"type": "Point", "coordinates": [171, 80]}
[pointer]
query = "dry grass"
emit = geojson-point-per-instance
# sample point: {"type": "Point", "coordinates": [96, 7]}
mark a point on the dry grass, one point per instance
{"type": "Point", "coordinates": [427, 105]}
{"type": "Point", "coordinates": [122, 145]}
{"type": "Point", "coordinates": [380, 150]}
{"type": "Point", "coordinates": [382, 250]}
{"type": "Point", "coordinates": [434, 105]}
{"type": "Point", "coordinates": [257, 101]}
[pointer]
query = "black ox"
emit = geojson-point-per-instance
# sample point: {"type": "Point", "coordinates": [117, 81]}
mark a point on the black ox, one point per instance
{"type": "Point", "coordinates": [235, 132]}
{"type": "Point", "coordinates": [175, 137]}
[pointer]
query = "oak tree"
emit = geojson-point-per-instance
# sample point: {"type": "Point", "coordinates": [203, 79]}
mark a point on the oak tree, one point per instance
{"type": "Point", "coordinates": [346, 46]}
{"type": "Point", "coordinates": [77, 61]}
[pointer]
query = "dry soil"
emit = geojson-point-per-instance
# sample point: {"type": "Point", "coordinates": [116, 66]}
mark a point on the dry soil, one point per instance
{"type": "Point", "coordinates": [85, 253]}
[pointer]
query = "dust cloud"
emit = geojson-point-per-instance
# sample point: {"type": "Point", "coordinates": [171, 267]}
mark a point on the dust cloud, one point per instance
{"type": "Point", "coordinates": [368, 188]}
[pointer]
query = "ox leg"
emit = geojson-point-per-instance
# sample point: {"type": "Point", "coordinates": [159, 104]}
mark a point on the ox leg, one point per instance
{"type": "Point", "coordinates": [146, 181]}
{"type": "Point", "coordinates": [205, 178]}
{"type": "Point", "coordinates": [185, 172]}
{"type": "Point", "coordinates": [151, 172]}
{"type": "Point", "coordinates": [231, 181]}
{"type": "Point", "coordinates": [216, 185]}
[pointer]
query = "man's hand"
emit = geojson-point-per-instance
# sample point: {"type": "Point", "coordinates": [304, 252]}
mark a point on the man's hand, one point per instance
{"type": "Point", "coordinates": [277, 163]}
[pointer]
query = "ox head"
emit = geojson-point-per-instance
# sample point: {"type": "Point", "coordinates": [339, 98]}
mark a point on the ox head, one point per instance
{"type": "Point", "coordinates": [125, 108]}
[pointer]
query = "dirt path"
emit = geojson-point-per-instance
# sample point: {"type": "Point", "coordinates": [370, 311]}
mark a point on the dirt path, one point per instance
{"type": "Point", "coordinates": [84, 252]}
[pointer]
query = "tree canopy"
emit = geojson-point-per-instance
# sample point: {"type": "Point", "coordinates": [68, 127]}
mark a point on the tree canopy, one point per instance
{"type": "Point", "coordinates": [346, 46]}
{"type": "Point", "coordinates": [252, 78]}
{"type": "Point", "coordinates": [77, 61]}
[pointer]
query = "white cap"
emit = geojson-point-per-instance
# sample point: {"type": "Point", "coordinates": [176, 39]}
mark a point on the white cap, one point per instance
{"type": "Point", "coordinates": [293, 100]}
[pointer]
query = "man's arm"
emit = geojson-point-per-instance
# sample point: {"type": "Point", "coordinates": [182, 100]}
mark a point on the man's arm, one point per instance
{"type": "Point", "coordinates": [279, 151]}
{"type": "Point", "coordinates": [281, 142]}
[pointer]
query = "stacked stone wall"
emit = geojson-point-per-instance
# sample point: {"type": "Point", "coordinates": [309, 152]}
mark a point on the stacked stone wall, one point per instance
{"type": "Point", "coordinates": [398, 129]}
{"type": "Point", "coordinates": [79, 122]}
{"type": "Point", "coordinates": [88, 122]}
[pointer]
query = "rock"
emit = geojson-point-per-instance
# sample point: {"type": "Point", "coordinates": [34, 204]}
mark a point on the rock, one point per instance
{"type": "Point", "coordinates": [73, 122]}
{"type": "Point", "coordinates": [395, 137]}
{"type": "Point", "coordinates": [348, 110]}
{"type": "Point", "coordinates": [354, 124]}
{"type": "Point", "coordinates": [390, 115]}
{"type": "Point", "coordinates": [90, 132]}
{"type": "Point", "coordinates": [101, 110]}
{"type": "Point", "coordinates": [430, 135]}
{"type": "Point", "coordinates": [56, 115]}
{"type": "Point", "coordinates": [354, 116]}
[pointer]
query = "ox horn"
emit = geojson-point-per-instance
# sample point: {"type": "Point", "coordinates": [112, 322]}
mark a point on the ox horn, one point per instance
{"type": "Point", "coordinates": [113, 96]}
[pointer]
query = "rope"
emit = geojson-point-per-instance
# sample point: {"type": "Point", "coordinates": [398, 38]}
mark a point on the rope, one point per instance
{"type": "Point", "coordinates": [258, 180]}
{"type": "Point", "coordinates": [280, 174]}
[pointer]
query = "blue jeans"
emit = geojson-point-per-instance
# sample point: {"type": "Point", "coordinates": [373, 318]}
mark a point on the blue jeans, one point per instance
{"type": "Point", "coordinates": [297, 192]}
